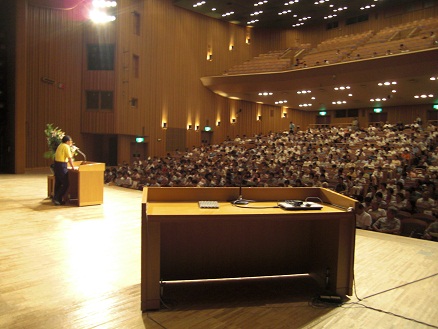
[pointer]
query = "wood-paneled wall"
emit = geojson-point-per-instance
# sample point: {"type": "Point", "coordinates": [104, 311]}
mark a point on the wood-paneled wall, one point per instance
{"type": "Point", "coordinates": [53, 46]}
{"type": "Point", "coordinates": [172, 48]}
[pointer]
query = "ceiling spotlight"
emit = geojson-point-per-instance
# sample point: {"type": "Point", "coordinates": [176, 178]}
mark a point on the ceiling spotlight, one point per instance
{"type": "Point", "coordinates": [228, 14]}
{"type": "Point", "coordinates": [424, 96]}
{"type": "Point", "coordinates": [285, 12]}
{"type": "Point", "coordinates": [342, 88]}
{"type": "Point", "coordinates": [340, 9]}
{"type": "Point", "coordinates": [199, 4]}
{"type": "Point", "coordinates": [387, 83]}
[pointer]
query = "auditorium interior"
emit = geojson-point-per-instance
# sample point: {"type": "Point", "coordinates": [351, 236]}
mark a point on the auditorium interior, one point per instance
{"type": "Point", "coordinates": [159, 79]}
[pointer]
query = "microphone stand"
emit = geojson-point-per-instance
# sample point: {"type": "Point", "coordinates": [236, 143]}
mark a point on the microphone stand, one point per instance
{"type": "Point", "coordinates": [83, 154]}
{"type": "Point", "coordinates": [240, 200]}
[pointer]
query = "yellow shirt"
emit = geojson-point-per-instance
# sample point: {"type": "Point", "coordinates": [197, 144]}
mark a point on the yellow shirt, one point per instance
{"type": "Point", "coordinates": [63, 153]}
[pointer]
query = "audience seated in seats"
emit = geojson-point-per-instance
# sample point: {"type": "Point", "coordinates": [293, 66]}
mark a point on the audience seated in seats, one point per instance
{"type": "Point", "coordinates": [389, 223]}
{"type": "Point", "coordinates": [324, 156]}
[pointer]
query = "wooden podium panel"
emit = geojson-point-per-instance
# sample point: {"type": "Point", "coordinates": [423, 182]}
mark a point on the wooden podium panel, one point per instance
{"type": "Point", "coordinates": [86, 183]}
{"type": "Point", "coordinates": [181, 241]}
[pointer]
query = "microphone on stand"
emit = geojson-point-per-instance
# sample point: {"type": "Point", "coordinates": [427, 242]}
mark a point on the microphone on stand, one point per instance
{"type": "Point", "coordinates": [240, 200]}
{"type": "Point", "coordinates": [81, 153]}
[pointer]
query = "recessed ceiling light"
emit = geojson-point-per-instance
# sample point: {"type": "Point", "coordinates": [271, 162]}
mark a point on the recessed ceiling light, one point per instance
{"type": "Point", "coordinates": [387, 83]}
{"type": "Point", "coordinates": [199, 4]}
{"type": "Point", "coordinates": [228, 14]}
{"type": "Point", "coordinates": [342, 88]}
{"type": "Point", "coordinates": [424, 96]}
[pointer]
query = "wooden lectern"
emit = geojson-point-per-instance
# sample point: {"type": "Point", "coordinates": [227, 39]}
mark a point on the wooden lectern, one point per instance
{"type": "Point", "coordinates": [86, 183]}
{"type": "Point", "coordinates": [181, 241]}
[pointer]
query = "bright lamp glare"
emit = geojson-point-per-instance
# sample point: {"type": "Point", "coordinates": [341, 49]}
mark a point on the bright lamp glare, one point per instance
{"type": "Point", "coordinates": [100, 17]}
{"type": "Point", "coordinates": [104, 4]}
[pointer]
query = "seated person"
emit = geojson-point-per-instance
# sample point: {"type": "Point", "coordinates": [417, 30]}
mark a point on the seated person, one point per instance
{"type": "Point", "coordinates": [400, 202]}
{"type": "Point", "coordinates": [379, 198]}
{"type": "Point", "coordinates": [376, 211]}
{"type": "Point", "coordinates": [363, 219]}
{"type": "Point", "coordinates": [425, 203]}
{"type": "Point", "coordinates": [389, 224]}
{"type": "Point", "coordinates": [431, 232]}
{"type": "Point", "coordinates": [341, 187]}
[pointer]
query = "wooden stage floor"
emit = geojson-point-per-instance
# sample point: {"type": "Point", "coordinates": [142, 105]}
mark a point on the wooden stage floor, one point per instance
{"type": "Point", "coordinates": [71, 267]}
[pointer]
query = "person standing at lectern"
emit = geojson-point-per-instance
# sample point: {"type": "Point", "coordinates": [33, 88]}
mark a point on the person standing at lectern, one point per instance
{"type": "Point", "coordinates": [63, 155]}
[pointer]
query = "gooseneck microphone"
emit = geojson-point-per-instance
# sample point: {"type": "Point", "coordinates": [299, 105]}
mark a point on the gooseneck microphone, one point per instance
{"type": "Point", "coordinates": [240, 200]}
{"type": "Point", "coordinates": [81, 153]}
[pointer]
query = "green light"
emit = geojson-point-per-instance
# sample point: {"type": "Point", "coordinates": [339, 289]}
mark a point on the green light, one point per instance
{"type": "Point", "coordinates": [435, 106]}
{"type": "Point", "coordinates": [207, 128]}
{"type": "Point", "coordinates": [139, 139]}
{"type": "Point", "coordinates": [378, 110]}
{"type": "Point", "coordinates": [322, 113]}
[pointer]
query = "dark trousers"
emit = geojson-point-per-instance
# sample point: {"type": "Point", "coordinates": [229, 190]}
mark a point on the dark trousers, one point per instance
{"type": "Point", "coordinates": [61, 180]}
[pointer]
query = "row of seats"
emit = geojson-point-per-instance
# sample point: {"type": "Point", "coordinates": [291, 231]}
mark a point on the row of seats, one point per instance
{"type": "Point", "coordinates": [412, 36]}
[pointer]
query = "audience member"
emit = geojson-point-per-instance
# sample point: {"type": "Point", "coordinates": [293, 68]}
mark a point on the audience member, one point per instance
{"type": "Point", "coordinates": [389, 223]}
{"type": "Point", "coordinates": [363, 219]}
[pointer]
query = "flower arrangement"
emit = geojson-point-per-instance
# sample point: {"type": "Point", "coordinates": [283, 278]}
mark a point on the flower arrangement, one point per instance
{"type": "Point", "coordinates": [54, 137]}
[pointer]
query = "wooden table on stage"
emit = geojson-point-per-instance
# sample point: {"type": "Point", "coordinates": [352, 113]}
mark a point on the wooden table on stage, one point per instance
{"type": "Point", "coordinates": [86, 183]}
{"type": "Point", "coordinates": [181, 241]}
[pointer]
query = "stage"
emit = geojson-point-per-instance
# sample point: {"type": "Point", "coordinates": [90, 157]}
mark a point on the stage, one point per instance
{"type": "Point", "coordinates": [79, 267]}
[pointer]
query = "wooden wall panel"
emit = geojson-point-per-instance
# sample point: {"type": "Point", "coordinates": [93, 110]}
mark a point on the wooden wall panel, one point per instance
{"type": "Point", "coordinates": [404, 114]}
{"type": "Point", "coordinates": [54, 57]}
{"type": "Point", "coordinates": [172, 50]}
{"type": "Point", "coordinates": [98, 121]}
{"type": "Point", "coordinates": [17, 26]}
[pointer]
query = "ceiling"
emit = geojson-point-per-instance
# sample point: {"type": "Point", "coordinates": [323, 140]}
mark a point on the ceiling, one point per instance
{"type": "Point", "coordinates": [411, 72]}
{"type": "Point", "coordinates": [293, 13]}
